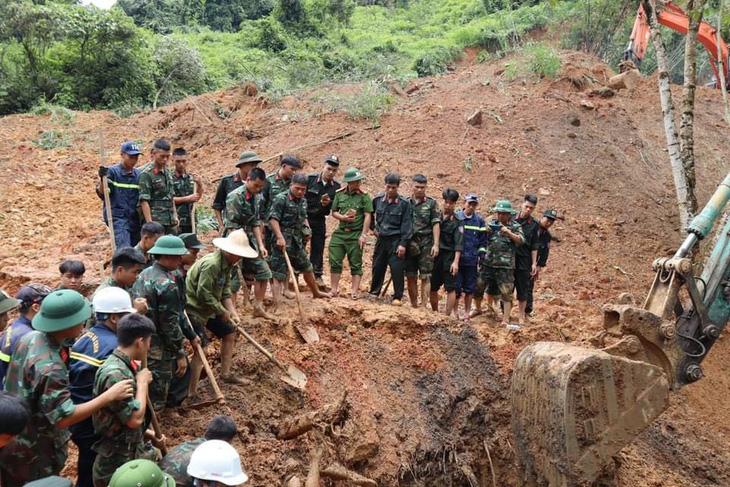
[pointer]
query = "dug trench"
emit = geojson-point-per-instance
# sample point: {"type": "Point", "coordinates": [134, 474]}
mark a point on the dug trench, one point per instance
{"type": "Point", "coordinates": [423, 400]}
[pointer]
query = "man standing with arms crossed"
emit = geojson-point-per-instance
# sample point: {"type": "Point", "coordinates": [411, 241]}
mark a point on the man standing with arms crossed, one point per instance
{"type": "Point", "coordinates": [186, 188]}
{"type": "Point", "coordinates": [321, 189]}
{"type": "Point", "coordinates": [526, 255]}
{"type": "Point", "coordinates": [156, 189]}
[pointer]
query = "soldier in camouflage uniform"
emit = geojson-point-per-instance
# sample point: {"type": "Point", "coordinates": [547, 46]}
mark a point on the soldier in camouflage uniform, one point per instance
{"type": "Point", "coordinates": [424, 246]}
{"type": "Point", "coordinates": [247, 161]}
{"type": "Point", "coordinates": [288, 221]}
{"type": "Point", "coordinates": [497, 272]}
{"type": "Point", "coordinates": [186, 189]}
{"type": "Point", "coordinates": [38, 375]}
{"type": "Point", "coordinates": [242, 211]}
{"type": "Point", "coordinates": [127, 263]}
{"type": "Point", "coordinates": [451, 244]}
{"type": "Point", "coordinates": [165, 301]}
{"type": "Point", "coordinates": [150, 233]}
{"type": "Point", "coordinates": [176, 462]}
{"type": "Point", "coordinates": [156, 190]}
{"type": "Point", "coordinates": [120, 426]}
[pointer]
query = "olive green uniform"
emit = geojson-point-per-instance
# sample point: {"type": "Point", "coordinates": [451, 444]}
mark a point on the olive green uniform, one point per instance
{"type": "Point", "coordinates": [426, 214]}
{"type": "Point", "coordinates": [275, 185]}
{"type": "Point", "coordinates": [497, 272]}
{"type": "Point", "coordinates": [291, 213]}
{"type": "Point", "coordinates": [227, 185]}
{"type": "Point", "coordinates": [345, 239]}
{"type": "Point", "coordinates": [156, 187]}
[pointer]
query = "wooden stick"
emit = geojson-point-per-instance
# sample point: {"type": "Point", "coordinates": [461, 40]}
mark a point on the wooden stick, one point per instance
{"type": "Point", "coordinates": [218, 394]}
{"type": "Point", "coordinates": [329, 414]}
{"type": "Point", "coordinates": [155, 423]}
{"type": "Point", "coordinates": [386, 286]}
{"type": "Point", "coordinates": [305, 146]}
{"type": "Point", "coordinates": [491, 466]}
{"type": "Point", "coordinates": [296, 284]}
{"type": "Point", "coordinates": [339, 472]}
{"type": "Point", "coordinates": [192, 217]}
{"type": "Point", "coordinates": [105, 190]}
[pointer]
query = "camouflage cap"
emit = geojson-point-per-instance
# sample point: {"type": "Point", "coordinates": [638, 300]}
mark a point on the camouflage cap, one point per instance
{"type": "Point", "coordinates": [140, 473]}
{"type": "Point", "coordinates": [168, 245]}
{"type": "Point", "coordinates": [552, 214]}
{"type": "Point", "coordinates": [7, 302]}
{"type": "Point", "coordinates": [248, 156]}
{"type": "Point", "coordinates": [62, 310]}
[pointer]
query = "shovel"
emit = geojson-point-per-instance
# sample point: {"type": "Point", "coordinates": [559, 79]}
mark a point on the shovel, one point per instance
{"type": "Point", "coordinates": [219, 397]}
{"type": "Point", "coordinates": [155, 423]}
{"type": "Point", "coordinates": [308, 332]}
{"type": "Point", "coordinates": [292, 376]}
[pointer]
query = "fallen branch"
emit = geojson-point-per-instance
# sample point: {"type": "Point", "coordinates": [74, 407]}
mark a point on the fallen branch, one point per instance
{"type": "Point", "coordinates": [329, 414]}
{"type": "Point", "coordinates": [491, 466]}
{"type": "Point", "coordinates": [331, 139]}
{"type": "Point", "coordinates": [338, 472]}
{"type": "Point", "coordinates": [313, 475]}
{"type": "Point", "coordinates": [198, 108]}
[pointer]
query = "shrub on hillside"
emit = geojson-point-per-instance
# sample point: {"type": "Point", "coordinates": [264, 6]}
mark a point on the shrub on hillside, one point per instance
{"type": "Point", "coordinates": [435, 61]}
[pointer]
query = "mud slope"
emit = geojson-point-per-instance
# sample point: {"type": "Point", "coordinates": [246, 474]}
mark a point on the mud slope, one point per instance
{"type": "Point", "coordinates": [427, 397]}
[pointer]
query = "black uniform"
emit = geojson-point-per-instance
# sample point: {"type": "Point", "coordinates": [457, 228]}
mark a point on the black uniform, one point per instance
{"type": "Point", "coordinates": [394, 224]}
{"type": "Point", "coordinates": [543, 238]}
{"type": "Point", "coordinates": [317, 187]}
{"type": "Point", "coordinates": [523, 258]}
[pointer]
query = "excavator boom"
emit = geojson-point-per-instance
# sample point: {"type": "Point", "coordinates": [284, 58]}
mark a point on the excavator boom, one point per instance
{"type": "Point", "coordinates": [670, 15]}
{"type": "Point", "coordinates": [574, 408]}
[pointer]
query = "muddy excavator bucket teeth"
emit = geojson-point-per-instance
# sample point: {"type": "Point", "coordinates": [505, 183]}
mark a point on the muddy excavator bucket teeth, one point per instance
{"type": "Point", "coordinates": [574, 408]}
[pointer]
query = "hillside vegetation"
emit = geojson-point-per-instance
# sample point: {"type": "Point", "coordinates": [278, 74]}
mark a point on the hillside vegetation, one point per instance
{"type": "Point", "coordinates": [142, 54]}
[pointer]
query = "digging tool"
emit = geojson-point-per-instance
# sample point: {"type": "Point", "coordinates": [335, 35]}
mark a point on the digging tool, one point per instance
{"type": "Point", "coordinates": [219, 397]}
{"type": "Point", "coordinates": [292, 376]}
{"type": "Point", "coordinates": [105, 190]}
{"type": "Point", "coordinates": [308, 332]}
{"type": "Point", "coordinates": [155, 423]}
{"type": "Point", "coordinates": [385, 287]}
{"type": "Point", "coordinates": [192, 217]}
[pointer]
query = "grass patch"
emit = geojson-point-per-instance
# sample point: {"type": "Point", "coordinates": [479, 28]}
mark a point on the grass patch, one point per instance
{"type": "Point", "coordinates": [59, 114]}
{"type": "Point", "coordinates": [533, 61]}
{"type": "Point", "coordinates": [53, 139]}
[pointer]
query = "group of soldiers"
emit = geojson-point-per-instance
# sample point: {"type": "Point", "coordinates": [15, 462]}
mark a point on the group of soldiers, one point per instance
{"type": "Point", "coordinates": [130, 362]}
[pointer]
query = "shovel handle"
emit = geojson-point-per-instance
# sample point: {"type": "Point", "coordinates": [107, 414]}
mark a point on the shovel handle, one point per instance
{"type": "Point", "coordinates": [260, 348]}
{"type": "Point", "coordinates": [296, 284]}
{"type": "Point", "coordinates": [218, 394]}
{"type": "Point", "coordinates": [155, 423]}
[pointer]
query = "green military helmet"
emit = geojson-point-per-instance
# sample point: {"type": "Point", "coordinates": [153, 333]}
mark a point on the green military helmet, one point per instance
{"type": "Point", "coordinates": [248, 156]}
{"type": "Point", "coordinates": [7, 302]}
{"type": "Point", "coordinates": [140, 473]}
{"type": "Point", "coordinates": [353, 174]}
{"type": "Point", "coordinates": [62, 310]}
{"type": "Point", "coordinates": [168, 245]}
{"type": "Point", "coordinates": [503, 206]}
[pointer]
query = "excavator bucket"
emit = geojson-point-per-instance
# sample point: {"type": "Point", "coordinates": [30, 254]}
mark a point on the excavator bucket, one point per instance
{"type": "Point", "coordinates": [574, 408]}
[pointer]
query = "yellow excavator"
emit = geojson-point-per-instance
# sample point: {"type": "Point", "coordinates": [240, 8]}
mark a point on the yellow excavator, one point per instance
{"type": "Point", "coordinates": [574, 408]}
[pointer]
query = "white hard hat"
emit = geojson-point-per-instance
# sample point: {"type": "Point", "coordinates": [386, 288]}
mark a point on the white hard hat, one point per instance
{"type": "Point", "coordinates": [217, 461]}
{"type": "Point", "coordinates": [112, 300]}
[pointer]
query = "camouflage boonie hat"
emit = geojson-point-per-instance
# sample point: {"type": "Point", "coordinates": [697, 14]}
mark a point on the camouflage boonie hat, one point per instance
{"type": "Point", "coordinates": [353, 174]}
{"type": "Point", "coordinates": [248, 156]}
{"type": "Point", "coordinates": [503, 206]}
{"type": "Point", "coordinates": [552, 214]}
{"type": "Point", "coordinates": [61, 310]}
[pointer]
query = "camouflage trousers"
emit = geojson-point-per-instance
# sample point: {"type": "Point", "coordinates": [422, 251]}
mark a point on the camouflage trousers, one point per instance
{"type": "Point", "coordinates": [496, 282]}
{"type": "Point", "coordinates": [106, 464]}
{"type": "Point", "coordinates": [421, 264]}
{"type": "Point", "coordinates": [297, 255]}
{"type": "Point", "coordinates": [159, 388]}
{"type": "Point", "coordinates": [20, 464]}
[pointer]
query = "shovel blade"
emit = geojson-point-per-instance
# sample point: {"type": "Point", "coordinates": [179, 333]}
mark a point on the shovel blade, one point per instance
{"type": "Point", "coordinates": [308, 333]}
{"type": "Point", "coordinates": [295, 378]}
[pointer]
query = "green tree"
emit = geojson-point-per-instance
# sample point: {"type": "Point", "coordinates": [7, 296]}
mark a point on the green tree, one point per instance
{"type": "Point", "coordinates": [178, 70]}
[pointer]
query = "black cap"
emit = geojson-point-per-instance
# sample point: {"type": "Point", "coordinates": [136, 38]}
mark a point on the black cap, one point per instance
{"type": "Point", "coordinates": [32, 294]}
{"type": "Point", "coordinates": [333, 160]}
{"type": "Point", "coordinates": [552, 214]}
{"type": "Point", "coordinates": [191, 241]}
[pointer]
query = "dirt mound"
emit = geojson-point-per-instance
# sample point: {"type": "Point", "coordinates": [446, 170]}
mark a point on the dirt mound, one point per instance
{"type": "Point", "coordinates": [427, 397]}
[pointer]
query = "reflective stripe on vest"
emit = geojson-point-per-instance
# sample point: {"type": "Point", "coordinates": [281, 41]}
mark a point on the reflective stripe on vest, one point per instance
{"type": "Point", "coordinates": [4, 357]}
{"type": "Point", "coordinates": [86, 359]}
{"type": "Point", "coordinates": [472, 227]}
{"type": "Point", "coordinates": [123, 185]}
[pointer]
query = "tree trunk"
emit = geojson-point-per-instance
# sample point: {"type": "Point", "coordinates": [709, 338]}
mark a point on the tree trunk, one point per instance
{"type": "Point", "coordinates": [721, 63]}
{"type": "Point", "coordinates": [667, 104]}
{"type": "Point", "coordinates": [695, 10]}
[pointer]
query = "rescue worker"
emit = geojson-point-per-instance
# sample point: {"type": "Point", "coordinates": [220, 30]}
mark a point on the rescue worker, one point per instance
{"type": "Point", "coordinates": [288, 221]}
{"type": "Point", "coordinates": [475, 245]}
{"type": "Point", "coordinates": [526, 255]}
{"type": "Point", "coordinates": [209, 302]}
{"type": "Point", "coordinates": [38, 375]}
{"type": "Point", "coordinates": [247, 161]}
{"type": "Point", "coordinates": [72, 275]}
{"type": "Point", "coordinates": [543, 238]}
{"type": "Point", "coordinates": [150, 233]}
{"type": "Point", "coordinates": [158, 285]}
{"type": "Point", "coordinates": [7, 304]}
{"type": "Point", "coordinates": [451, 244]}
{"type": "Point", "coordinates": [29, 298]}
{"type": "Point", "coordinates": [140, 473]}
{"type": "Point", "coordinates": [127, 263]}
{"type": "Point", "coordinates": [354, 210]}
{"type": "Point", "coordinates": [393, 227]}
{"type": "Point", "coordinates": [156, 191]}
{"type": "Point", "coordinates": [243, 212]}
{"type": "Point", "coordinates": [14, 416]}
{"type": "Point", "coordinates": [424, 245]}
{"type": "Point", "coordinates": [175, 463]}
{"type": "Point", "coordinates": [499, 261]}
{"type": "Point", "coordinates": [216, 462]}
{"type": "Point", "coordinates": [321, 189]}
{"type": "Point", "coordinates": [186, 188]}
{"type": "Point", "coordinates": [120, 426]}
{"type": "Point", "coordinates": [89, 352]}
{"type": "Point", "coordinates": [123, 181]}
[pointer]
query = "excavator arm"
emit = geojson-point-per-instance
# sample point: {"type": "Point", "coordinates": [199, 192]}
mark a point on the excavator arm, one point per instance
{"type": "Point", "coordinates": [670, 15]}
{"type": "Point", "coordinates": [574, 408]}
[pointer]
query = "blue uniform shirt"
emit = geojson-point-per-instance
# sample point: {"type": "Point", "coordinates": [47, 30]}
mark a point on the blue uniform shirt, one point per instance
{"type": "Point", "coordinates": [124, 189]}
{"type": "Point", "coordinates": [475, 239]}
{"type": "Point", "coordinates": [87, 355]}
{"type": "Point", "coordinates": [9, 341]}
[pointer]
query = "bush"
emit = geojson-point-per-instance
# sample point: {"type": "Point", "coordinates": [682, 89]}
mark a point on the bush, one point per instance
{"type": "Point", "coordinates": [534, 60]}
{"type": "Point", "coordinates": [435, 61]}
{"type": "Point", "coordinates": [59, 114]}
{"type": "Point", "coordinates": [370, 104]}
{"type": "Point", "coordinates": [52, 140]}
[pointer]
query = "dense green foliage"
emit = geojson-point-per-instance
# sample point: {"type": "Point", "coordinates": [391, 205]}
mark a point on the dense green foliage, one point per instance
{"type": "Point", "coordinates": [143, 53]}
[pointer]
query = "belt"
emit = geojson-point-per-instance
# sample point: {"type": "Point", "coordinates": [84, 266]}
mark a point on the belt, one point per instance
{"type": "Point", "coordinates": [160, 203]}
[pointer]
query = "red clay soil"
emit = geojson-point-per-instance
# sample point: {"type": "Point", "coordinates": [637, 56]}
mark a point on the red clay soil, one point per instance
{"type": "Point", "coordinates": [427, 396]}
